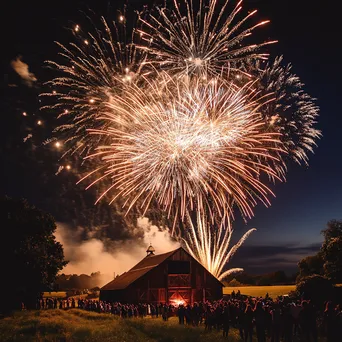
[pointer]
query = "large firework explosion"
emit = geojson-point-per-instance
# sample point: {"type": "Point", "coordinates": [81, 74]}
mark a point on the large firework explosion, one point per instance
{"type": "Point", "coordinates": [190, 145]}
{"type": "Point", "coordinates": [184, 116]}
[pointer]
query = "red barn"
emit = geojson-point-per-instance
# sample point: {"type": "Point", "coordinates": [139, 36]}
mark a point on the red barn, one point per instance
{"type": "Point", "coordinates": [171, 277]}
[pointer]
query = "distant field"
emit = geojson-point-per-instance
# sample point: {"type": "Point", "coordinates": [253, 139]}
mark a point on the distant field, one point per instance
{"type": "Point", "coordinates": [260, 291]}
{"type": "Point", "coordinates": [78, 325]}
{"type": "Point", "coordinates": [61, 294]}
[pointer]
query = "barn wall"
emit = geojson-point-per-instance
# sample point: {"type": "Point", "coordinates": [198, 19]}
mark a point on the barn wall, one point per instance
{"type": "Point", "coordinates": [158, 286]}
{"type": "Point", "coordinates": [111, 295]}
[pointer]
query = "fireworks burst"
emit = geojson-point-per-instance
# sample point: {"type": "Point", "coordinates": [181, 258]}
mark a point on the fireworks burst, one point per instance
{"type": "Point", "coordinates": [200, 37]}
{"type": "Point", "coordinates": [189, 146]}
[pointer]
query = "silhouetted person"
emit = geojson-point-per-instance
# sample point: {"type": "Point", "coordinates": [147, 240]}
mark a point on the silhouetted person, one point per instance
{"type": "Point", "coordinates": [339, 321]}
{"type": "Point", "coordinates": [181, 314]}
{"type": "Point", "coordinates": [295, 311]}
{"type": "Point", "coordinates": [225, 321]}
{"type": "Point", "coordinates": [187, 314]}
{"type": "Point", "coordinates": [275, 313]}
{"type": "Point", "coordinates": [260, 322]}
{"type": "Point", "coordinates": [240, 320]}
{"type": "Point", "coordinates": [287, 324]}
{"type": "Point", "coordinates": [330, 322]}
{"type": "Point", "coordinates": [307, 318]}
{"type": "Point", "coordinates": [165, 312]}
{"type": "Point", "coordinates": [248, 324]}
{"type": "Point", "coordinates": [195, 314]}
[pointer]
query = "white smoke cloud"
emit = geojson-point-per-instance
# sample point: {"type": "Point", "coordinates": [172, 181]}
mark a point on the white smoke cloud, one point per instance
{"type": "Point", "coordinates": [22, 69]}
{"type": "Point", "coordinates": [91, 255]}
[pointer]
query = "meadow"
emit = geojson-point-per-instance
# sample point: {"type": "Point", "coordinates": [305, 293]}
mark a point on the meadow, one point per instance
{"type": "Point", "coordinates": [256, 291]}
{"type": "Point", "coordinates": [60, 294]}
{"type": "Point", "coordinates": [79, 325]}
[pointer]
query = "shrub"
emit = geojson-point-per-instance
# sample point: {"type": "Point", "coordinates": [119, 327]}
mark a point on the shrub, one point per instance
{"type": "Point", "coordinates": [294, 295]}
{"type": "Point", "coordinates": [316, 288]}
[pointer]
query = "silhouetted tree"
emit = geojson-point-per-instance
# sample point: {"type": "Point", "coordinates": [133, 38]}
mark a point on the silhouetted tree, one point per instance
{"type": "Point", "coordinates": [333, 230]}
{"type": "Point", "coordinates": [333, 260]}
{"type": "Point", "coordinates": [79, 282]}
{"type": "Point", "coordinates": [332, 251]}
{"type": "Point", "coordinates": [30, 256]}
{"type": "Point", "coordinates": [311, 265]}
{"type": "Point", "coordinates": [328, 261]}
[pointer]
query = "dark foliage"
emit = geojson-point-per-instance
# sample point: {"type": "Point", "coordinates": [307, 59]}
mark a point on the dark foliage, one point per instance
{"type": "Point", "coordinates": [316, 288]}
{"type": "Point", "coordinates": [30, 256]}
{"type": "Point", "coordinates": [332, 251]}
{"type": "Point", "coordinates": [273, 278]}
{"type": "Point", "coordinates": [328, 261]}
{"type": "Point", "coordinates": [78, 282]}
{"type": "Point", "coordinates": [311, 265]}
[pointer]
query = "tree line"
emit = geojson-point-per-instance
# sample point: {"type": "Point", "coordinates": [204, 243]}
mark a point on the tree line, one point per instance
{"type": "Point", "coordinates": [272, 278]}
{"type": "Point", "coordinates": [65, 282]}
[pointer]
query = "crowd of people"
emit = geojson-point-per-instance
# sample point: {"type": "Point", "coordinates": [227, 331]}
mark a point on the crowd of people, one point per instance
{"type": "Point", "coordinates": [281, 320]}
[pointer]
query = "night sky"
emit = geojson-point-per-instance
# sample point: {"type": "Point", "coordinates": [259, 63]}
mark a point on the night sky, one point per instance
{"type": "Point", "coordinates": [308, 34]}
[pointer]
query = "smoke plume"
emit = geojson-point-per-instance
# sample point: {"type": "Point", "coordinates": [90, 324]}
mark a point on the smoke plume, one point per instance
{"type": "Point", "coordinates": [22, 69]}
{"type": "Point", "coordinates": [111, 258]}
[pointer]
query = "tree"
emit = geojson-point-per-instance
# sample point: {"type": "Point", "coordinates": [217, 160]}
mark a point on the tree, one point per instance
{"type": "Point", "coordinates": [30, 256]}
{"type": "Point", "coordinates": [333, 230]}
{"type": "Point", "coordinates": [328, 261]}
{"type": "Point", "coordinates": [332, 251]}
{"type": "Point", "coordinates": [311, 265]}
{"type": "Point", "coordinates": [333, 260]}
{"type": "Point", "coordinates": [279, 277]}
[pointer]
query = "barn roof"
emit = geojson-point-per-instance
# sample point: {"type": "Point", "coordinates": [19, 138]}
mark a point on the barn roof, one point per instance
{"type": "Point", "coordinates": [145, 265]}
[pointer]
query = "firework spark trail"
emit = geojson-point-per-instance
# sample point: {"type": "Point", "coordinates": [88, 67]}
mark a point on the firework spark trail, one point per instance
{"type": "Point", "coordinates": [204, 41]}
{"type": "Point", "coordinates": [210, 245]}
{"type": "Point", "coordinates": [190, 146]}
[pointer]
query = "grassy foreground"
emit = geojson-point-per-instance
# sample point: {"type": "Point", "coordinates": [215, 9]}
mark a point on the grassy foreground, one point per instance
{"type": "Point", "coordinates": [80, 325]}
{"type": "Point", "coordinates": [257, 291]}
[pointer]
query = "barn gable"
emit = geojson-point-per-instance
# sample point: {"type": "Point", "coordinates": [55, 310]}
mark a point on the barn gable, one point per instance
{"type": "Point", "coordinates": [141, 268]}
{"type": "Point", "coordinates": [170, 277]}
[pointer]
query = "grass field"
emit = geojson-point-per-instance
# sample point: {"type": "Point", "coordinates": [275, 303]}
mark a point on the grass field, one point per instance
{"type": "Point", "coordinates": [257, 291]}
{"type": "Point", "coordinates": [78, 325]}
{"type": "Point", "coordinates": [61, 294]}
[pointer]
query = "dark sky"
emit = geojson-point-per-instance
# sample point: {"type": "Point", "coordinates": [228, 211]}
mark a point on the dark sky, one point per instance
{"type": "Point", "coordinates": [308, 34]}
